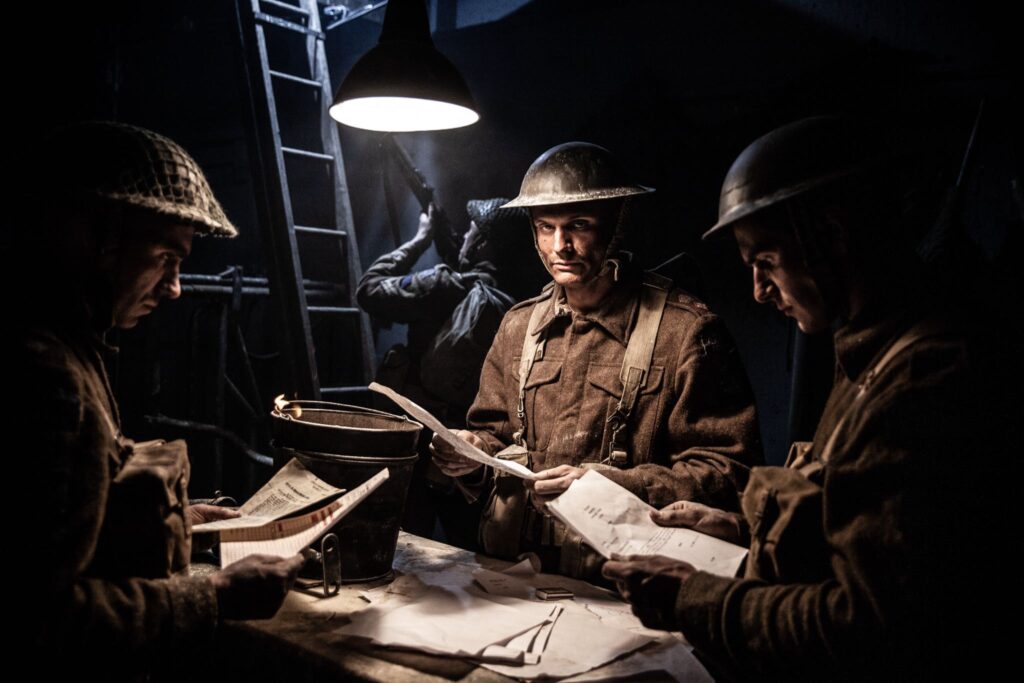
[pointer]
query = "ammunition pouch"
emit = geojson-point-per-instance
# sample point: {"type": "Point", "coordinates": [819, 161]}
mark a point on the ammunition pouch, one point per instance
{"type": "Point", "coordinates": [503, 516]}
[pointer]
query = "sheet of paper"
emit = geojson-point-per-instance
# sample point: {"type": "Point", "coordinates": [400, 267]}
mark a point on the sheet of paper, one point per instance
{"type": "Point", "coordinates": [447, 622]}
{"type": "Point", "coordinates": [423, 566]}
{"type": "Point", "coordinates": [616, 522]}
{"type": "Point", "coordinates": [534, 641]}
{"type": "Point", "coordinates": [528, 566]}
{"type": "Point", "coordinates": [578, 642]}
{"type": "Point", "coordinates": [448, 436]}
{"type": "Point", "coordinates": [672, 659]}
{"type": "Point", "coordinates": [500, 583]}
{"type": "Point", "coordinates": [290, 490]}
{"type": "Point", "coordinates": [288, 536]}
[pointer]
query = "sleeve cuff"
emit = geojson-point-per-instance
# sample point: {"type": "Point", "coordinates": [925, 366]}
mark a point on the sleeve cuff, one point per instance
{"type": "Point", "coordinates": [194, 605]}
{"type": "Point", "coordinates": [700, 606]}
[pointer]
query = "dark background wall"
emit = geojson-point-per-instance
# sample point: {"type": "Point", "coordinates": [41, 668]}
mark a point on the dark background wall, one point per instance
{"type": "Point", "coordinates": [675, 89]}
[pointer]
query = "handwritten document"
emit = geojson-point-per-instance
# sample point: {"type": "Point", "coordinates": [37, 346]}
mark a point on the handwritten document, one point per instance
{"type": "Point", "coordinates": [288, 536]}
{"type": "Point", "coordinates": [616, 522]}
{"type": "Point", "coordinates": [292, 489]}
{"type": "Point", "coordinates": [448, 436]}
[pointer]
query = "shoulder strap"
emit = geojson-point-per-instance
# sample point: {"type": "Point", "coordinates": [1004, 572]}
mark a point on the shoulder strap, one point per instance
{"type": "Point", "coordinates": [636, 363]}
{"type": "Point", "coordinates": [533, 350]}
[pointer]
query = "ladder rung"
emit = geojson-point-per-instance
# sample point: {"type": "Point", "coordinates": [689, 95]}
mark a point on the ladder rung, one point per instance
{"type": "Point", "coordinates": [286, 7]}
{"type": "Point", "coordinates": [345, 390]}
{"type": "Point", "coordinates": [198, 278]}
{"type": "Point", "coordinates": [307, 154]}
{"type": "Point", "coordinates": [322, 232]}
{"type": "Point", "coordinates": [340, 310]}
{"type": "Point", "coordinates": [296, 79]}
{"type": "Point", "coordinates": [271, 20]}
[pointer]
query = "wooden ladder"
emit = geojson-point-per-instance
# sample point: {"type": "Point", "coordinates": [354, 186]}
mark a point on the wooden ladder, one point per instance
{"type": "Point", "coordinates": [302, 194]}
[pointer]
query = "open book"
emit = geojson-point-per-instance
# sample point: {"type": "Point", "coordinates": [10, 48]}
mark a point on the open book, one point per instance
{"type": "Point", "coordinates": [291, 490]}
{"type": "Point", "coordinates": [287, 514]}
{"type": "Point", "coordinates": [616, 522]}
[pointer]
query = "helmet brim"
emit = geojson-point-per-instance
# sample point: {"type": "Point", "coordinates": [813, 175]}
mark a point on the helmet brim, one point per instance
{"type": "Point", "coordinates": [555, 199]}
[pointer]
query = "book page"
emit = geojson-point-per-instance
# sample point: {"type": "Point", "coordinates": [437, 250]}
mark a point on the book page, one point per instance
{"type": "Point", "coordinates": [292, 489]}
{"type": "Point", "coordinates": [288, 536]}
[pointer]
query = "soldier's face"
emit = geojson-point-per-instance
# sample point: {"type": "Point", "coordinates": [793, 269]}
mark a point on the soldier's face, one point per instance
{"type": "Point", "coordinates": [146, 267]}
{"type": "Point", "coordinates": [781, 276]}
{"type": "Point", "coordinates": [573, 239]}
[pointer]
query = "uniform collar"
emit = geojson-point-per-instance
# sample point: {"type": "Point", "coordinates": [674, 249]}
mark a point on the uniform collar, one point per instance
{"type": "Point", "coordinates": [859, 340]}
{"type": "Point", "coordinates": [614, 315]}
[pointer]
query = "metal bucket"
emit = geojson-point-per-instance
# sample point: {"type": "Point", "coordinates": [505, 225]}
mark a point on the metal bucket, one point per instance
{"type": "Point", "coordinates": [346, 445]}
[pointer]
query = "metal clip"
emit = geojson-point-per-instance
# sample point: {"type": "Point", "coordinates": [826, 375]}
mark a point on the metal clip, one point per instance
{"type": "Point", "coordinates": [329, 558]}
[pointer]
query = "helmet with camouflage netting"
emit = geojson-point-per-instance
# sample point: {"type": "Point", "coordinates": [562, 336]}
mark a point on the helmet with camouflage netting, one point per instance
{"type": "Point", "coordinates": [129, 165]}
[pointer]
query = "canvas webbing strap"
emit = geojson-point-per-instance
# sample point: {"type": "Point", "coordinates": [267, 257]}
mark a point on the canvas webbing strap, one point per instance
{"type": "Point", "coordinates": [636, 363]}
{"type": "Point", "coordinates": [533, 350]}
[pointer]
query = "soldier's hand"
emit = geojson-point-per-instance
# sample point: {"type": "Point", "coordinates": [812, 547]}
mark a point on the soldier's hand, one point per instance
{"type": "Point", "coordinates": [201, 513]}
{"type": "Point", "coordinates": [551, 482]}
{"type": "Point", "coordinates": [448, 459]}
{"type": "Point", "coordinates": [728, 526]}
{"type": "Point", "coordinates": [255, 586]}
{"type": "Point", "coordinates": [427, 221]}
{"type": "Point", "coordinates": [651, 584]}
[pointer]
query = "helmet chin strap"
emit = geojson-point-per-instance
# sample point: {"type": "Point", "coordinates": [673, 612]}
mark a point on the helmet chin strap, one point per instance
{"type": "Point", "coordinates": [612, 263]}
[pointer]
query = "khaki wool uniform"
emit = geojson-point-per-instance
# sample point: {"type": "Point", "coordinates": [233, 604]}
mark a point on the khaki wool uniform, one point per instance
{"type": "Point", "coordinates": [109, 540]}
{"type": "Point", "coordinates": [871, 557]}
{"type": "Point", "coordinates": [692, 436]}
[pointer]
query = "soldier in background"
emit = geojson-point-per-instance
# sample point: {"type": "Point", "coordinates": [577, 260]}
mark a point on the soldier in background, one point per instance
{"type": "Point", "coordinates": [453, 314]}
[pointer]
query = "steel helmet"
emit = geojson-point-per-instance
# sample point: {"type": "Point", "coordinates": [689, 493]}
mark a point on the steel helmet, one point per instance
{"type": "Point", "coordinates": [574, 172]}
{"type": "Point", "coordinates": [788, 162]}
{"type": "Point", "coordinates": [134, 166]}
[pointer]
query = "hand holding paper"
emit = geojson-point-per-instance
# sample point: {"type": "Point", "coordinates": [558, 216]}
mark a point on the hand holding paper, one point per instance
{"type": "Point", "coordinates": [615, 522]}
{"type": "Point", "coordinates": [449, 461]}
{"type": "Point", "coordinates": [449, 437]}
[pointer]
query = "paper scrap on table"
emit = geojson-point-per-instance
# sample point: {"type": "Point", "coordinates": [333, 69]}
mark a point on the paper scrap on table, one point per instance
{"type": "Point", "coordinates": [292, 489]}
{"type": "Point", "coordinates": [450, 623]}
{"type": "Point", "coordinates": [578, 642]}
{"type": "Point", "coordinates": [461, 447]}
{"type": "Point", "coordinates": [503, 584]}
{"type": "Point", "coordinates": [673, 658]}
{"type": "Point", "coordinates": [616, 522]}
{"type": "Point", "coordinates": [528, 565]}
{"type": "Point", "coordinates": [288, 536]}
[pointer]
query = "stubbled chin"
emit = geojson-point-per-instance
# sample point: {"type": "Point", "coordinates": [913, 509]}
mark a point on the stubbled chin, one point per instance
{"type": "Point", "coordinates": [568, 279]}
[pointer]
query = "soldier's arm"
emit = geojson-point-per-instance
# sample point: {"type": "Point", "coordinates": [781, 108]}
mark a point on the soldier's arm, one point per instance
{"type": "Point", "coordinates": [128, 620]}
{"type": "Point", "coordinates": [903, 572]}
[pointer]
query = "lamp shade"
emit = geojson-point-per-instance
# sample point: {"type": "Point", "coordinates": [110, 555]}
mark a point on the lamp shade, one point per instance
{"type": "Point", "coordinates": [404, 83]}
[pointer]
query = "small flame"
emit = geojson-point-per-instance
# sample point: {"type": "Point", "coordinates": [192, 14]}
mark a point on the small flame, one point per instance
{"type": "Point", "coordinates": [282, 405]}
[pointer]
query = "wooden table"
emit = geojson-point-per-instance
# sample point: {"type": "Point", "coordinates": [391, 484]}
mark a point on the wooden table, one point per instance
{"type": "Point", "coordinates": [299, 643]}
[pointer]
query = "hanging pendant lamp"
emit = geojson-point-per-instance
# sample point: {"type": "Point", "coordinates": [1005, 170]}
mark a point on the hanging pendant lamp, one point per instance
{"type": "Point", "coordinates": [404, 83]}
